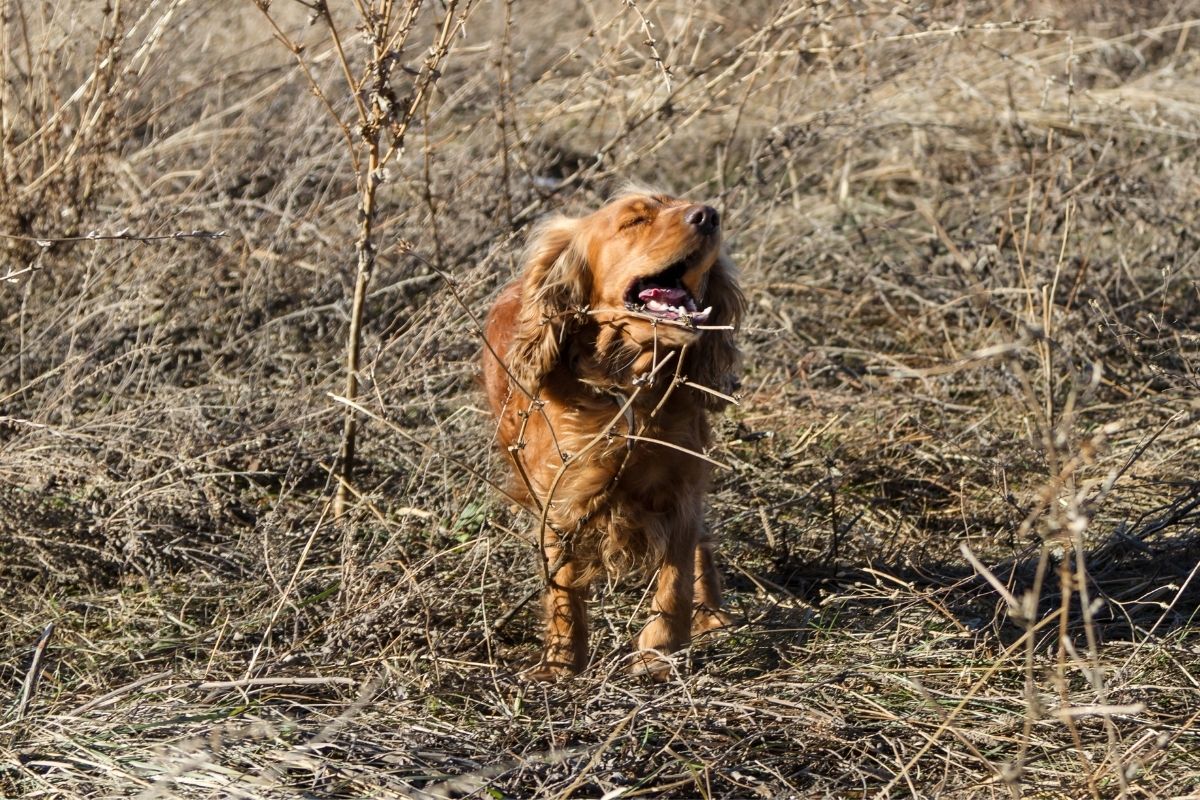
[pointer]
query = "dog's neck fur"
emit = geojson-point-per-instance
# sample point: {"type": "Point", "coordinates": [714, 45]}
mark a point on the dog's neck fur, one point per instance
{"type": "Point", "coordinates": [604, 361]}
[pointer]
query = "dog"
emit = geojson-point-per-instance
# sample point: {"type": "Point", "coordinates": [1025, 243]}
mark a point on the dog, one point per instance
{"type": "Point", "coordinates": [601, 364]}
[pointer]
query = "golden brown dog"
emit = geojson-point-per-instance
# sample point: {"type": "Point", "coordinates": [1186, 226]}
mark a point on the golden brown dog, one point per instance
{"type": "Point", "coordinates": [602, 360]}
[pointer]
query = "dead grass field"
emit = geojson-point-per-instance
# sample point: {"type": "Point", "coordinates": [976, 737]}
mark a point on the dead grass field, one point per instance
{"type": "Point", "coordinates": [961, 518]}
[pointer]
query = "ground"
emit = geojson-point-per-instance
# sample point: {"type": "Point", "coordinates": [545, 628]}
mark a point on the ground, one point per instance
{"type": "Point", "coordinates": [958, 511]}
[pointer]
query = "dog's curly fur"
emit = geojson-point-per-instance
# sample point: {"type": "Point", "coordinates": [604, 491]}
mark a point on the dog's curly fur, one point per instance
{"type": "Point", "coordinates": [573, 352]}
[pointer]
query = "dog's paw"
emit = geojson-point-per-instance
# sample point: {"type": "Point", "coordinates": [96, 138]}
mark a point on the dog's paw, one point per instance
{"type": "Point", "coordinates": [653, 665]}
{"type": "Point", "coordinates": [559, 660]}
{"type": "Point", "coordinates": [706, 619]}
{"type": "Point", "coordinates": [548, 673]}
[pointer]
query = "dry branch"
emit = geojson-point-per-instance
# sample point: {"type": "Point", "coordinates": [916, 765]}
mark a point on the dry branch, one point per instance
{"type": "Point", "coordinates": [969, 247]}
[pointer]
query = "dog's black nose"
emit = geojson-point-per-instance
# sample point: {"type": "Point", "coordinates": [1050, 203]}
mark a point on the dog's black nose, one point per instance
{"type": "Point", "coordinates": [705, 218]}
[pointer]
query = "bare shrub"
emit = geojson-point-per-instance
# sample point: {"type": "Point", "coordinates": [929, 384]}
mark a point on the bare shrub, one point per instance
{"type": "Point", "coordinates": [962, 515]}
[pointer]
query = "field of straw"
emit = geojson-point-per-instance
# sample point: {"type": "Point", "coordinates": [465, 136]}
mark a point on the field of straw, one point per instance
{"type": "Point", "coordinates": [959, 508]}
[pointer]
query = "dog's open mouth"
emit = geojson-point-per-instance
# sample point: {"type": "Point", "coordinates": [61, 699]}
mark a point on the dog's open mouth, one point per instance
{"type": "Point", "coordinates": [665, 297]}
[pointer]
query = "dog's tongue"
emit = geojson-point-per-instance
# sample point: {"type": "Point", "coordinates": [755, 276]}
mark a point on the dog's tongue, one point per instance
{"type": "Point", "coordinates": [672, 297]}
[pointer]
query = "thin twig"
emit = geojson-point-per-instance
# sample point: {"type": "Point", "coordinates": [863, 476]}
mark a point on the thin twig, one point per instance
{"type": "Point", "coordinates": [318, 680]}
{"type": "Point", "coordinates": [662, 443]}
{"type": "Point", "coordinates": [119, 236]}
{"type": "Point", "coordinates": [120, 691]}
{"type": "Point", "coordinates": [33, 676]}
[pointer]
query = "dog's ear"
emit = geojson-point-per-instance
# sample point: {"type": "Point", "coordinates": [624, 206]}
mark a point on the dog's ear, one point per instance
{"type": "Point", "coordinates": [555, 285]}
{"type": "Point", "coordinates": [714, 361]}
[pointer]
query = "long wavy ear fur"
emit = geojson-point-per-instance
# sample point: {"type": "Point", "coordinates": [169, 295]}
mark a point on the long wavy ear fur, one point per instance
{"type": "Point", "coordinates": [714, 361]}
{"type": "Point", "coordinates": [555, 283]}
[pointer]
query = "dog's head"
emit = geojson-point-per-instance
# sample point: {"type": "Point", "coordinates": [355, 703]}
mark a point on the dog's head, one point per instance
{"type": "Point", "coordinates": [643, 275]}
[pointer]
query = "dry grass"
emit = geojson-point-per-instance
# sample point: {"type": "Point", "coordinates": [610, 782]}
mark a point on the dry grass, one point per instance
{"type": "Point", "coordinates": [965, 555]}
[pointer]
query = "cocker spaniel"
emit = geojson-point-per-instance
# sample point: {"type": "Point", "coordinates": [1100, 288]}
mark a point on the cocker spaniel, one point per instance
{"type": "Point", "coordinates": [602, 361]}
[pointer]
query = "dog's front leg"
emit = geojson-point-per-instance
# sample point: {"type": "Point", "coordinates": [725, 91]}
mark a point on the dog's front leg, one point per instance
{"type": "Point", "coordinates": [708, 614]}
{"type": "Point", "coordinates": [670, 628]}
{"type": "Point", "coordinates": [566, 647]}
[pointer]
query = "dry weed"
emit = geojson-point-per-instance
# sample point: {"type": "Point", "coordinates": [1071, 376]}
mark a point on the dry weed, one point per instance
{"type": "Point", "coordinates": [961, 527]}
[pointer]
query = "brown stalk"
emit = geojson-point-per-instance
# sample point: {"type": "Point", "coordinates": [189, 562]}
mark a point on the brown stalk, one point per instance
{"type": "Point", "coordinates": [381, 112]}
{"type": "Point", "coordinates": [33, 676]}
